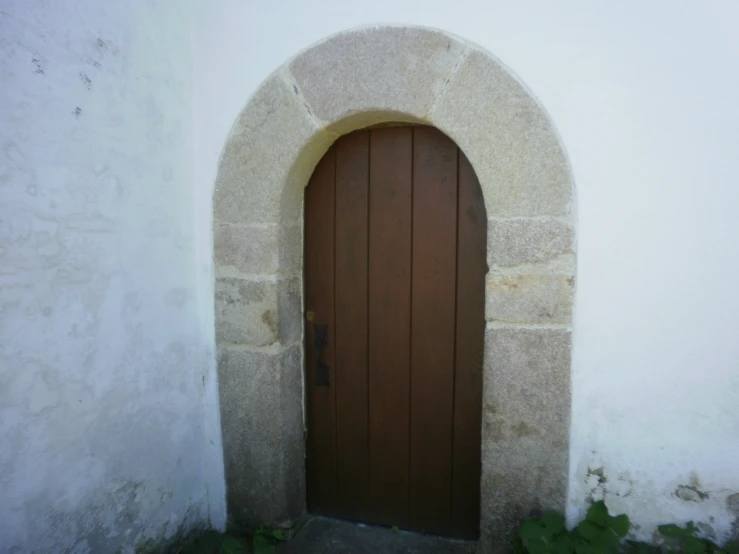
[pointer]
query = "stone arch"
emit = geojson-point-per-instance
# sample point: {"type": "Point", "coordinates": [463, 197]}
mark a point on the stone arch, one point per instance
{"type": "Point", "coordinates": [348, 81]}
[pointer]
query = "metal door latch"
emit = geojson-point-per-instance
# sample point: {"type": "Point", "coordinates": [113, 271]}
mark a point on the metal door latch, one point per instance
{"type": "Point", "coordinates": [320, 341]}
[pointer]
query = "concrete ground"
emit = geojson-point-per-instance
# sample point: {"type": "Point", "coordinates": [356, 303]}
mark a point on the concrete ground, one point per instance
{"type": "Point", "coordinates": [321, 535]}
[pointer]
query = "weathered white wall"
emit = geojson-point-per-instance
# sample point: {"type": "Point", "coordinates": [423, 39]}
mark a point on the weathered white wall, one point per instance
{"type": "Point", "coordinates": [644, 96]}
{"type": "Point", "coordinates": [109, 432]}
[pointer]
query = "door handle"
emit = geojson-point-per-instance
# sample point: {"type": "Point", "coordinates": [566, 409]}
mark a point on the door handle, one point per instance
{"type": "Point", "coordinates": [320, 342]}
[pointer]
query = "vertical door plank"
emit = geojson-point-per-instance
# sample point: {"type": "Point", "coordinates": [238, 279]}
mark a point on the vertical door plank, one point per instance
{"type": "Point", "coordinates": [352, 189]}
{"type": "Point", "coordinates": [472, 268]}
{"type": "Point", "coordinates": [432, 335]}
{"type": "Point", "coordinates": [319, 299]}
{"type": "Point", "coordinates": [389, 322]}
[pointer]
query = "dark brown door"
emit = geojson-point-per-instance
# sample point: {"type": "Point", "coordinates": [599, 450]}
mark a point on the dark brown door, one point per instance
{"type": "Point", "coordinates": [395, 238]}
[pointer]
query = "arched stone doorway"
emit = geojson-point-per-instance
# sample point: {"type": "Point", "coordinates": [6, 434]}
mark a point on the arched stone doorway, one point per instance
{"type": "Point", "coordinates": [349, 81]}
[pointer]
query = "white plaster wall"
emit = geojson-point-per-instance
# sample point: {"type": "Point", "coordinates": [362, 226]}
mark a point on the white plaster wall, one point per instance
{"type": "Point", "coordinates": [109, 432]}
{"type": "Point", "coordinates": [644, 96]}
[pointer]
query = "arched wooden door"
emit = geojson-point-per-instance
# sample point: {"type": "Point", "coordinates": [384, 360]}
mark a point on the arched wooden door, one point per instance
{"type": "Point", "coordinates": [395, 244]}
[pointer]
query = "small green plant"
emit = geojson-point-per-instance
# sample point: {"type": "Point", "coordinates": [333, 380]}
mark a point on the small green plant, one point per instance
{"type": "Point", "coordinates": [687, 541]}
{"type": "Point", "coordinates": [598, 533]}
{"type": "Point", "coordinates": [266, 540]}
{"type": "Point", "coordinates": [602, 533]}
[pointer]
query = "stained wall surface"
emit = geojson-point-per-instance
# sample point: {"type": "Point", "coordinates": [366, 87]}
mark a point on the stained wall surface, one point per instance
{"type": "Point", "coordinates": [109, 433]}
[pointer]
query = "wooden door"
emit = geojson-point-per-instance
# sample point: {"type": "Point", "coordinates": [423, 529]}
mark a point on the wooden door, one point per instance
{"type": "Point", "coordinates": [395, 239]}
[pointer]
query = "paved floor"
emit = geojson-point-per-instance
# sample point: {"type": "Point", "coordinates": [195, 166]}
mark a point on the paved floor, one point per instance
{"type": "Point", "coordinates": [322, 535]}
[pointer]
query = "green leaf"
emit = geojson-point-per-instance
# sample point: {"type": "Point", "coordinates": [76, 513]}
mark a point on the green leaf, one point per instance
{"type": "Point", "coordinates": [532, 531]}
{"type": "Point", "coordinates": [552, 523]}
{"type": "Point", "coordinates": [711, 546]}
{"type": "Point", "coordinates": [620, 525]}
{"type": "Point", "coordinates": [585, 548]}
{"type": "Point", "coordinates": [598, 513]}
{"type": "Point", "coordinates": [688, 544]}
{"type": "Point", "coordinates": [210, 540]}
{"type": "Point", "coordinates": [395, 529]}
{"type": "Point", "coordinates": [731, 547]}
{"type": "Point", "coordinates": [231, 545]}
{"type": "Point", "coordinates": [563, 544]}
{"type": "Point", "coordinates": [278, 534]}
{"type": "Point", "coordinates": [691, 545]}
{"type": "Point", "coordinates": [691, 528]}
{"type": "Point", "coordinates": [633, 547]}
{"type": "Point", "coordinates": [607, 542]}
{"type": "Point", "coordinates": [673, 530]}
{"type": "Point", "coordinates": [537, 547]}
{"type": "Point", "coordinates": [589, 530]}
{"type": "Point", "coordinates": [262, 544]}
{"type": "Point", "coordinates": [517, 546]}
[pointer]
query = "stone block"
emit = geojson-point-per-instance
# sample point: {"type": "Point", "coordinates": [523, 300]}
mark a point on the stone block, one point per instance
{"type": "Point", "coordinates": [387, 69]}
{"type": "Point", "coordinates": [526, 421]}
{"type": "Point", "coordinates": [290, 248]}
{"type": "Point", "coordinates": [289, 310]}
{"type": "Point", "coordinates": [261, 416]}
{"type": "Point", "coordinates": [507, 137]}
{"type": "Point", "coordinates": [519, 479]}
{"type": "Point", "coordinates": [246, 311]}
{"type": "Point", "coordinates": [529, 298]}
{"type": "Point", "coordinates": [258, 313]}
{"type": "Point", "coordinates": [264, 249]}
{"type": "Point", "coordinates": [272, 139]}
{"type": "Point", "coordinates": [513, 242]}
{"type": "Point", "coordinates": [245, 249]}
{"type": "Point", "coordinates": [527, 379]}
